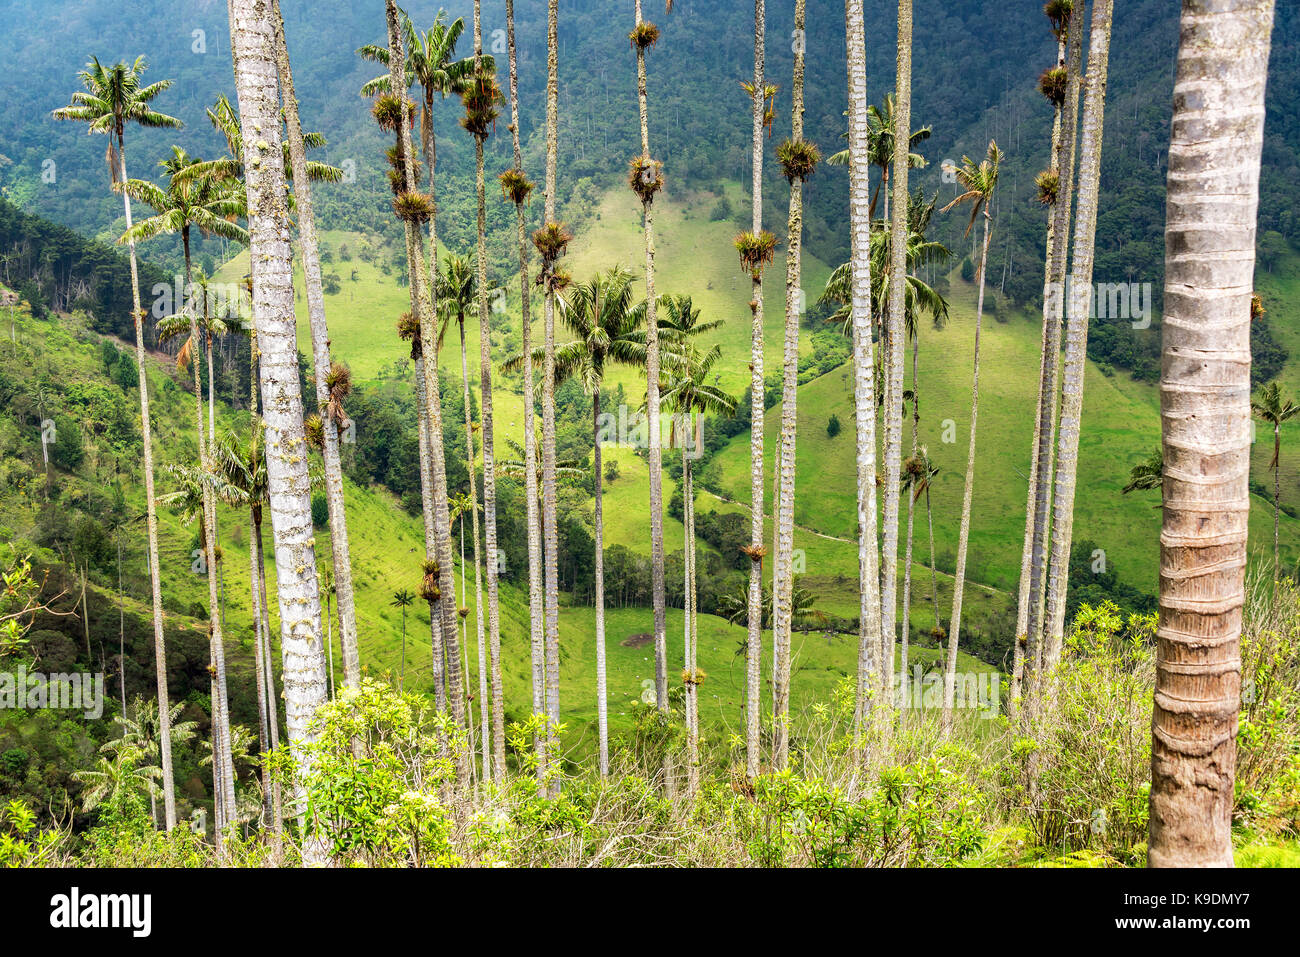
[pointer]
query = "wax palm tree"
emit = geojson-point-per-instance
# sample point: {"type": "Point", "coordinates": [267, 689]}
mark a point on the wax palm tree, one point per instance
{"type": "Point", "coordinates": [601, 314]}
{"type": "Point", "coordinates": [799, 159]}
{"type": "Point", "coordinates": [516, 188]}
{"type": "Point", "coordinates": [977, 182]}
{"type": "Point", "coordinates": [113, 97]}
{"type": "Point", "coordinates": [403, 598]}
{"type": "Point", "coordinates": [1148, 475]}
{"type": "Point", "coordinates": [326, 370]}
{"type": "Point", "coordinates": [735, 609]}
{"type": "Point", "coordinates": [646, 179]}
{"type": "Point", "coordinates": [481, 98]}
{"type": "Point", "coordinates": [1274, 408]}
{"type": "Point", "coordinates": [430, 61]}
{"type": "Point", "coordinates": [1061, 86]}
{"type": "Point", "coordinates": [460, 505]}
{"type": "Point", "coordinates": [1209, 274]}
{"type": "Point", "coordinates": [224, 118]}
{"type": "Point", "coordinates": [756, 250]}
{"type": "Point", "coordinates": [207, 206]}
{"type": "Point", "coordinates": [414, 208]}
{"type": "Point", "coordinates": [457, 294]}
{"type": "Point", "coordinates": [141, 727]}
{"type": "Point", "coordinates": [691, 391]}
{"type": "Point", "coordinates": [243, 485]}
{"type": "Point", "coordinates": [551, 242]}
{"type": "Point", "coordinates": [288, 476]}
{"type": "Point", "coordinates": [1076, 337]}
{"type": "Point", "coordinates": [120, 779]}
{"type": "Point", "coordinates": [881, 123]}
{"type": "Point", "coordinates": [864, 378]}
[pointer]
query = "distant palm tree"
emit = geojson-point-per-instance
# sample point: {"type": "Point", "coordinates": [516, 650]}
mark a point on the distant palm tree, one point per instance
{"type": "Point", "coordinates": [208, 206]}
{"type": "Point", "coordinates": [403, 599]}
{"type": "Point", "coordinates": [243, 483]}
{"type": "Point", "coordinates": [691, 391]}
{"type": "Point", "coordinates": [140, 725]}
{"type": "Point", "coordinates": [1274, 408]}
{"type": "Point", "coordinates": [978, 182]}
{"type": "Point", "coordinates": [113, 97]}
{"type": "Point", "coordinates": [607, 325]}
{"type": "Point", "coordinates": [457, 295]}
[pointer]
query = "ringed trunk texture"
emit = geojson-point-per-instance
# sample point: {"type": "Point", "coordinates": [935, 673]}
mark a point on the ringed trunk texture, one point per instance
{"type": "Point", "coordinates": [1213, 198]}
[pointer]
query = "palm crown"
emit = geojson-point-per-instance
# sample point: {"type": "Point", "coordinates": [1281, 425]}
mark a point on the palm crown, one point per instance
{"type": "Point", "coordinates": [978, 181]}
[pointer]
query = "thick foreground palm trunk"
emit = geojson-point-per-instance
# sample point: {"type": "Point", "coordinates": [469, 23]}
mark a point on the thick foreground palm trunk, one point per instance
{"type": "Point", "coordinates": [1213, 198]}
{"type": "Point", "coordinates": [256, 81]}
{"type": "Point", "coordinates": [321, 360]}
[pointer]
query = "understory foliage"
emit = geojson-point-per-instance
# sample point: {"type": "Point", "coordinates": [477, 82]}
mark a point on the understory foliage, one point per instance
{"type": "Point", "coordinates": [1070, 790]}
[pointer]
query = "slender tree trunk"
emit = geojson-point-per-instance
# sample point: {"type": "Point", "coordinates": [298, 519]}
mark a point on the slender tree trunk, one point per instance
{"type": "Point", "coordinates": [652, 400]}
{"type": "Point", "coordinates": [1213, 199]}
{"type": "Point", "coordinates": [1042, 419]}
{"type": "Point", "coordinates": [151, 516]}
{"type": "Point", "coordinates": [692, 631]}
{"type": "Point", "coordinates": [894, 340]}
{"type": "Point", "coordinates": [323, 363]}
{"type": "Point", "coordinates": [1049, 398]}
{"type": "Point", "coordinates": [549, 521]}
{"type": "Point", "coordinates": [911, 515]}
{"type": "Point", "coordinates": [430, 538]}
{"type": "Point", "coordinates": [1277, 497]}
{"type": "Point", "coordinates": [757, 389]}
{"type": "Point", "coordinates": [1076, 338]}
{"type": "Point", "coordinates": [263, 692]}
{"type": "Point", "coordinates": [478, 560]}
{"type": "Point", "coordinates": [864, 370]}
{"type": "Point", "coordinates": [535, 627]}
{"type": "Point", "coordinates": [602, 690]}
{"type": "Point", "coordinates": [272, 705]}
{"type": "Point", "coordinates": [783, 578]}
{"type": "Point", "coordinates": [223, 784]}
{"type": "Point", "coordinates": [423, 294]}
{"type": "Point", "coordinates": [959, 581]}
{"type": "Point", "coordinates": [253, 45]}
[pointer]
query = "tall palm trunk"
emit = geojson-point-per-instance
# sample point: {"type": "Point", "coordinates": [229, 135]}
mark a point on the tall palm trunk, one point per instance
{"type": "Point", "coordinates": [602, 691]}
{"type": "Point", "coordinates": [423, 295]}
{"type": "Point", "coordinates": [1046, 393]}
{"type": "Point", "coordinates": [1076, 337]}
{"type": "Point", "coordinates": [489, 451]}
{"type": "Point", "coordinates": [690, 615]}
{"type": "Point", "coordinates": [535, 626]}
{"type": "Point", "coordinates": [549, 522]}
{"type": "Point", "coordinates": [894, 341]}
{"type": "Point", "coordinates": [864, 368]}
{"type": "Point", "coordinates": [1277, 497]}
{"type": "Point", "coordinates": [253, 45]}
{"type": "Point", "coordinates": [1213, 198]}
{"type": "Point", "coordinates": [754, 646]}
{"type": "Point", "coordinates": [321, 360]}
{"type": "Point", "coordinates": [783, 577]}
{"type": "Point", "coordinates": [652, 397]}
{"type": "Point", "coordinates": [1043, 463]}
{"type": "Point", "coordinates": [906, 636]}
{"type": "Point", "coordinates": [430, 537]}
{"type": "Point", "coordinates": [151, 512]}
{"type": "Point", "coordinates": [223, 783]}
{"type": "Point", "coordinates": [963, 539]}
{"type": "Point", "coordinates": [478, 560]}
